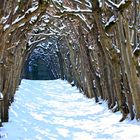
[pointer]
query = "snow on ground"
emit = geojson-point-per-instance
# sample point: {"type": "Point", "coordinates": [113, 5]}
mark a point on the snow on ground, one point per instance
{"type": "Point", "coordinates": [53, 110]}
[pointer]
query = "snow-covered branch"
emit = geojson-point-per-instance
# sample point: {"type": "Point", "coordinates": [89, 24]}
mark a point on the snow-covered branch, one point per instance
{"type": "Point", "coordinates": [33, 11]}
{"type": "Point", "coordinates": [42, 34]}
{"type": "Point", "coordinates": [36, 42]}
{"type": "Point", "coordinates": [111, 22]}
{"type": "Point", "coordinates": [119, 7]}
{"type": "Point", "coordinates": [82, 11]}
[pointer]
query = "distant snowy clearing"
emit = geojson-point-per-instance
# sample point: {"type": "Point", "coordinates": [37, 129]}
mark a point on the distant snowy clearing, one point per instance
{"type": "Point", "coordinates": [53, 110]}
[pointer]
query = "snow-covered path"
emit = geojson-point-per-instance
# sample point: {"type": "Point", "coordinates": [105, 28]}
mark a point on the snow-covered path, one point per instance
{"type": "Point", "coordinates": [53, 110]}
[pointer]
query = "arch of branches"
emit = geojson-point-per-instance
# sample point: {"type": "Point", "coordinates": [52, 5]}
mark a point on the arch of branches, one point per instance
{"type": "Point", "coordinates": [43, 62]}
{"type": "Point", "coordinates": [97, 47]}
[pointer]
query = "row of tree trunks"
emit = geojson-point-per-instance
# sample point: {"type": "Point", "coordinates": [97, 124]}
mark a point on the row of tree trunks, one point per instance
{"type": "Point", "coordinates": [117, 80]}
{"type": "Point", "coordinates": [128, 61]}
{"type": "Point", "coordinates": [14, 25]}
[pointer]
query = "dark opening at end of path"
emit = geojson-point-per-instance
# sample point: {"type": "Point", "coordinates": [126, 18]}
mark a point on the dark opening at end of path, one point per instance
{"type": "Point", "coordinates": [42, 63]}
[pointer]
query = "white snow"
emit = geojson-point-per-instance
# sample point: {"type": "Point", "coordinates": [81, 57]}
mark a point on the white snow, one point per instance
{"type": "Point", "coordinates": [22, 24]}
{"type": "Point", "coordinates": [100, 3]}
{"type": "Point", "coordinates": [1, 96]}
{"type": "Point", "coordinates": [6, 26]}
{"type": "Point", "coordinates": [33, 19]}
{"type": "Point", "coordinates": [32, 9]}
{"type": "Point", "coordinates": [4, 19]}
{"type": "Point", "coordinates": [117, 5]}
{"type": "Point", "coordinates": [112, 19]}
{"type": "Point", "coordinates": [16, 9]}
{"type": "Point", "coordinates": [53, 110]}
{"type": "Point", "coordinates": [18, 19]}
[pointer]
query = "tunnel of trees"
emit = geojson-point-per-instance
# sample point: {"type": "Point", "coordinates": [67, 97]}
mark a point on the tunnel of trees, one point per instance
{"type": "Point", "coordinates": [43, 62]}
{"type": "Point", "coordinates": [93, 44]}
